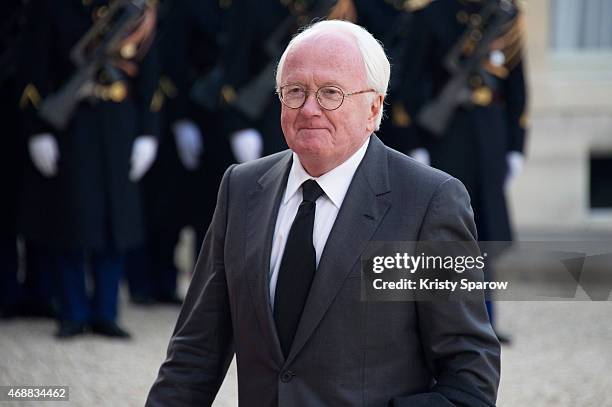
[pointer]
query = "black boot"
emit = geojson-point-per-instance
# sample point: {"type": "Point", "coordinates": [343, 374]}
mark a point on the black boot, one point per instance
{"type": "Point", "coordinates": [110, 329]}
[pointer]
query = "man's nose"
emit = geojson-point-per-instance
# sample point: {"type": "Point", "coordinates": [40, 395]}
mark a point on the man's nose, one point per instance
{"type": "Point", "coordinates": [311, 105]}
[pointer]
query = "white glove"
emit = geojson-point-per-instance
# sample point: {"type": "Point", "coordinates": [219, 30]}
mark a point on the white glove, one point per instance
{"type": "Point", "coordinates": [515, 161]}
{"type": "Point", "coordinates": [44, 152]}
{"type": "Point", "coordinates": [246, 145]}
{"type": "Point", "coordinates": [144, 151]}
{"type": "Point", "coordinates": [421, 155]}
{"type": "Point", "coordinates": [188, 142]}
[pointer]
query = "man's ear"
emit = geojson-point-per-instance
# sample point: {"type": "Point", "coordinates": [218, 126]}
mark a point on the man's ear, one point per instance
{"type": "Point", "coordinates": [375, 107]}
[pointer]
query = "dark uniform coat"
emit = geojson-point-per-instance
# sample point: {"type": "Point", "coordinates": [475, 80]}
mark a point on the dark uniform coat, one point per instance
{"type": "Point", "coordinates": [191, 35]}
{"type": "Point", "coordinates": [389, 21]}
{"type": "Point", "coordinates": [90, 203]}
{"type": "Point", "coordinates": [478, 138]}
{"type": "Point", "coordinates": [11, 157]}
{"type": "Point", "coordinates": [11, 147]}
{"type": "Point", "coordinates": [251, 25]}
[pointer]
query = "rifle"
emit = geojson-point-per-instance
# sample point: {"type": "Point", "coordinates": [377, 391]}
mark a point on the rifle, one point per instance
{"type": "Point", "coordinates": [435, 116]}
{"type": "Point", "coordinates": [94, 51]}
{"type": "Point", "coordinates": [253, 98]}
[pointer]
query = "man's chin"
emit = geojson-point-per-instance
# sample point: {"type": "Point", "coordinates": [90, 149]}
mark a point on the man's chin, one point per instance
{"type": "Point", "coordinates": [310, 144]}
{"type": "Point", "coordinates": [310, 151]}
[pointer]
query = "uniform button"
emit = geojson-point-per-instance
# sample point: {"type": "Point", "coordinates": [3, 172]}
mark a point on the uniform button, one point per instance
{"type": "Point", "coordinates": [287, 376]}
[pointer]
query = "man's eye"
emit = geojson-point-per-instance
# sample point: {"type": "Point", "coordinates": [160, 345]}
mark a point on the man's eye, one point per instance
{"type": "Point", "coordinates": [294, 90]}
{"type": "Point", "coordinates": [331, 93]}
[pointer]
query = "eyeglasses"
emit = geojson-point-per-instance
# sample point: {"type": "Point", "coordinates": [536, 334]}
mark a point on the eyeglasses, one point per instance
{"type": "Point", "coordinates": [328, 97]}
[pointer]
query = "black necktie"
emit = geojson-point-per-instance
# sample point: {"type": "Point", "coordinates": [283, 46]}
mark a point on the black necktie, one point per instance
{"type": "Point", "coordinates": [297, 268]}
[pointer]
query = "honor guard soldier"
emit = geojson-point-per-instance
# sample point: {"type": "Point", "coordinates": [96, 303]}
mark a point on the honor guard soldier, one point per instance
{"type": "Point", "coordinates": [87, 101]}
{"type": "Point", "coordinates": [33, 296]}
{"type": "Point", "coordinates": [11, 160]}
{"type": "Point", "coordinates": [181, 187]}
{"type": "Point", "coordinates": [259, 31]}
{"type": "Point", "coordinates": [464, 91]}
{"type": "Point", "coordinates": [389, 21]}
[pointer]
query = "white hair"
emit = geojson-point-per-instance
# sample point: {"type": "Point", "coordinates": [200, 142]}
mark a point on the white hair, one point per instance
{"type": "Point", "coordinates": [375, 60]}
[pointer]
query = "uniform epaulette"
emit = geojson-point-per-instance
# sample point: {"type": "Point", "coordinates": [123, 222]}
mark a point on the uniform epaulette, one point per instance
{"type": "Point", "coordinates": [414, 5]}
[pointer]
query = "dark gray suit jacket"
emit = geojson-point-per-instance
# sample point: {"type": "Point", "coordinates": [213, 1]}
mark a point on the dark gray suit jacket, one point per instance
{"type": "Point", "coordinates": [346, 352]}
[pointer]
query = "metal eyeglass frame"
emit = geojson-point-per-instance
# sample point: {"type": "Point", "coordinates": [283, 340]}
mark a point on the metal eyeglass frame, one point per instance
{"type": "Point", "coordinates": [307, 92]}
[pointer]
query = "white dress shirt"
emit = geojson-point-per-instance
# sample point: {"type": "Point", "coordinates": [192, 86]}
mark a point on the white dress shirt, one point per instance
{"type": "Point", "coordinates": [335, 184]}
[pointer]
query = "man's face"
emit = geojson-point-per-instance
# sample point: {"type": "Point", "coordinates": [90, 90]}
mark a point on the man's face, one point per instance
{"type": "Point", "coordinates": [318, 136]}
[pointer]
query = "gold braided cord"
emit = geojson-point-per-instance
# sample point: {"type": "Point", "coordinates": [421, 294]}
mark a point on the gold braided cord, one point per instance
{"type": "Point", "coordinates": [512, 41]}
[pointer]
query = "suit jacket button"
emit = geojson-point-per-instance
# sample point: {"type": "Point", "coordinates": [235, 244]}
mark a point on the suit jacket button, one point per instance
{"type": "Point", "coordinates": [287, 376]}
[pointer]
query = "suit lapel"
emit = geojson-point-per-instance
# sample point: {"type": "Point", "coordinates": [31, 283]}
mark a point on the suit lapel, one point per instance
{"type": "Point", "coordinates": [263, 204]}
{"type": "Point", "coordinates": [362, 210]}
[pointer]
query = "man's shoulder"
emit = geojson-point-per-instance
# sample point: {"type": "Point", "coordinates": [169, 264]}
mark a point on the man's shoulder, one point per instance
{"type": "Point", "coordinates": [253, 170]}
{"type": "Point", "coordinates": [406, 171]}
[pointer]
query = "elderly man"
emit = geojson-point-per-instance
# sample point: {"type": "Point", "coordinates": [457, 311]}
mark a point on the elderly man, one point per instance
{"type": "Point", "coordinates": [278, 278]}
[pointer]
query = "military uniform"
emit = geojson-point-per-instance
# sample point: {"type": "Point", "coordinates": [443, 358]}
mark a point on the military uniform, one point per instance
{"type": "Point", "coordinates": [11, 159]}
{"type": "Point", "coordinates": [190, 37]}
{"type": "Point", "coordinates": [33, 297]}
{"type": "Point", "coordinates": [480, 135]}
{"type": "Point", "coordinates": [389, 21]}
{"type": "Point", "coordinates": [203, 36]}
{"type": "Point", "coordinates": [248, 53]}
{"type": "Point", "coordinates": [90, 211]}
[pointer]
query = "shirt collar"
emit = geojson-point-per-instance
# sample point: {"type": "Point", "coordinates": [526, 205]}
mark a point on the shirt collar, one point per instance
{"type": "Point", "coordinates": [335, 183]}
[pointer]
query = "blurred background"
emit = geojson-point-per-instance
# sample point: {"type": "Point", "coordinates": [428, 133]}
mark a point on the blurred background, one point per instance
{"type": "Point", "coordinates": [118, 119]}
{"type": "Point", "coordinates": [566, 183]}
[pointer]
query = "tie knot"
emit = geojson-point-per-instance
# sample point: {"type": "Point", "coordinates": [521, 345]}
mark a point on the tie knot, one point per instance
{"type": "Point", "coordinates": [311, 191]}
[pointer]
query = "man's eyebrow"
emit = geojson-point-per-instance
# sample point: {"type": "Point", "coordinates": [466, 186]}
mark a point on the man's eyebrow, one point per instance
{"type": "Point", "coordinates": [320, 85]}
{"type": "Point", "coordinates": [331, 83]}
